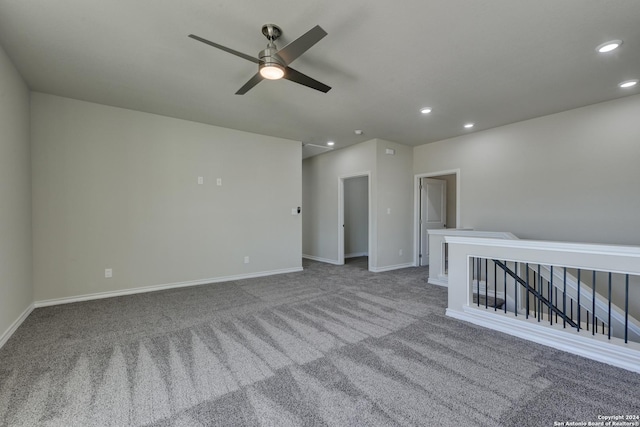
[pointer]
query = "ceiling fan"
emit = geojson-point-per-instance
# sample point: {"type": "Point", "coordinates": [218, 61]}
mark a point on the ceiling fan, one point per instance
{"type": "Point", "coordinates": [273, 64]}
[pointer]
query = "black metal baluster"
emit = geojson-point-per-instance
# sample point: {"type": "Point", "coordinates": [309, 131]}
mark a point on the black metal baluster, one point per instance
{"type": "Point", "coordinates": [555, 291]}
{"type": "Point", "coordinates": [515, 289]}
{"type": "Point", "coordinates": [564, 297]}
{"type": "Point", "coordinates": [528, 293]}
{"type": "Point", "coordinates": [475, 276]}
{"type": "Point", "coordinates": [587, 313]}
{"type": "Point", "coordinates": [593, 303]}
{"type": "Point", "coordinates": [550, 288]}
{"type": "Point", "coordinates": [571, 303]}
{"type": "Point", "coordinates": [486, 284]}
{"type": "Point", "coordinates": [626, 307]}
{"type": "Point", "coordinates": [505, 288]}
{"type": "Point", "coordinates": [479, 260]}
{"type": "Point", "coordinates": [495, 286]}
{"type": "Point", "coordinates": [540, 294]}
{"type": "Point", "coordinates": [535, 301]}
{"type": "Point", "coordinates": [609, 314]}
{"type": "Point", "coordinates": [579, 308]}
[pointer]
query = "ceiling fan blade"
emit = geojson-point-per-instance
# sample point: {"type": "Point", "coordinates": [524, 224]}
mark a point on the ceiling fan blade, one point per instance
{"type": "Point", "coordinates": [300, 45]}
{"type": "Point", "coordinates": [303, 79]}
{"type": "Point", "coordinates": [257, 78]}
{"type": "Point", "coordinates": [226, 49]}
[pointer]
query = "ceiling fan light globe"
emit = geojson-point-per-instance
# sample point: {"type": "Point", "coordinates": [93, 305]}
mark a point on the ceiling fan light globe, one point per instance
{"type": "Point", "coordinates": [272, 71]}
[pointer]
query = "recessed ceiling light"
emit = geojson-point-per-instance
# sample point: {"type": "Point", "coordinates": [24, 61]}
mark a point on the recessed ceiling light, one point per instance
{"type": "Point", "coordinates": [468, 125]}
{"type": "Point", "coordinates": [425, 110]}
{"type": "Point", "coordinates": [628, 83]}
{"type": "Point", "coordinates": [330, 143]}
{"type": "Point", "coordinates": [609, 46]}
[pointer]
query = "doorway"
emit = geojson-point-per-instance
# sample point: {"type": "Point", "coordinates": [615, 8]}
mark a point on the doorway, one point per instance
{"type": "Point", "coordinates": [436, 202]}
{"type": "Point", "coordinates": [433, 212]}
{"type": "Point", "coordinates": [354, 220]}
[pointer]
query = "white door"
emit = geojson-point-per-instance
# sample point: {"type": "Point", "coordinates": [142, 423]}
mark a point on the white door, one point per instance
{"type": "Point", "coordinates": [433, 212]}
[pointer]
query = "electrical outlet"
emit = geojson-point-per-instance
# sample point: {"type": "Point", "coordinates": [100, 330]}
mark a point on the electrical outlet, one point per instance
{"type": "Point", "coordinates": [388, 211]}
{"type": "Point", "coordinates": [108, 273]}
{"type": "Point", "coordinates": [246, 260]}
{"type": "Point", "coordinates": [219, 182]}
{"type": "Point", "coordinates": [200, 180]}
{"type": "Point", "coordinates": [400, 252]}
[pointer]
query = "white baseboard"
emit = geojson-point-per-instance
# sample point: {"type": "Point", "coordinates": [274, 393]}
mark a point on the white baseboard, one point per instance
{"type": "Point", "coordinates": [356, 255]}
{"type": "Point", "coordinates": [390, 267]}
{"type": "Point", "coordinates": [598, 347]}
{"type": "Point", "coordinates": [317, 258]}
{"type": "Point", "coordinates": [12, 328]}
{"type": "Point", "coordinates": [131, 291]}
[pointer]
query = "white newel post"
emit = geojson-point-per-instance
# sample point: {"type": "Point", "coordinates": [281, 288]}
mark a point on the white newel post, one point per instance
{"type": "Point", "coordinates": [437, 274]}
{"type": "Point", "coordinates": [460, 280]}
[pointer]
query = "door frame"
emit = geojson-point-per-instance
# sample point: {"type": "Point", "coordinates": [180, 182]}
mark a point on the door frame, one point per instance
{"type": "Point", "coordinates": [416, 207]}
{"type": "Point", "coordinates": [371, 249]}
{"type": "Point", "coordinates": [425, 223]}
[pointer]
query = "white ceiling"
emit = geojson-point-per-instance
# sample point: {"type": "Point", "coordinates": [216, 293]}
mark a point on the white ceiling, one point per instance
{"type": "Point", "coordinates": [491, 62]}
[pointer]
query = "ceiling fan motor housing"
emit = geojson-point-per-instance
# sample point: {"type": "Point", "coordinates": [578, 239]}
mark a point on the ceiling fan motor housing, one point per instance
{"type": "Point", "coordinates": [269, 58]}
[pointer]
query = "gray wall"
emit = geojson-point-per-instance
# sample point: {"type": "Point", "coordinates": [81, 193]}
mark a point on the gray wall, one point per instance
{"type": "Point", "coordinates": [115, 188]}
{"type": "Point", "coordinates": [356, 216]}
{"type": "Point", "coordinates": [395, 192]}
{"type": "Point", "coordinates": [391, 201]}
{"type": "Point", "coordinates": [571, 176]}
{"type": "Point", "coordinates": [16, 292]}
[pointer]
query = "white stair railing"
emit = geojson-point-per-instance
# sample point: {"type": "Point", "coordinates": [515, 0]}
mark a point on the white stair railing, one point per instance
{"type": "Point", "coordinates": [511, 257]}
{"type": "Point", "coordinates": [619, 319]}
{"type": "Point", "coordinates": [438, 275]}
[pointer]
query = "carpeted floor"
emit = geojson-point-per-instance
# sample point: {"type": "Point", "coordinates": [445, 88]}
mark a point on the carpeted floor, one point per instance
{"type": "Point", "coordinates": [329, 346]}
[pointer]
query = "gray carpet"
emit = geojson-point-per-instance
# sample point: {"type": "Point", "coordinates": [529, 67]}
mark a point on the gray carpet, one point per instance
{"type": "Point", "coordinates": [329, 346]}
